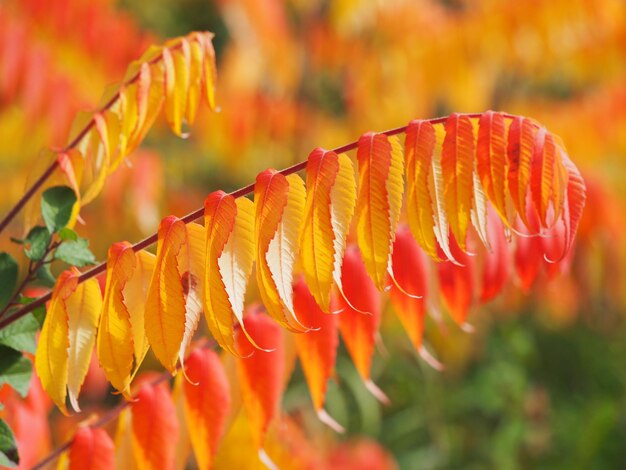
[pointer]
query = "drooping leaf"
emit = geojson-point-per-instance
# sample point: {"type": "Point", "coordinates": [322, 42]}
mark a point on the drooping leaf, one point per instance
{"type": "Point", "coordinates": [279, 204]}
{"type": "Point", "coordinates": [91, 448]}
{"type": "Point", "coordinates": [496, 264]}
{"type": "Point", "coordinates": [83, 312]}
{"type": "Point", "coordinates": [457, 167]}
{"type": "Point", "coordinates": [115, 343]}
{"type": "Point", "coordinates": [51, 358]}
{"type": "Point", "coordinates": [330, 202]}
{"type": "Point", "coordinates": [207, 403]}
{"type": "Point", "coordinates": [56, 207]}
{"type": "Point", "coordinates": [359, 317]}
{"type": "Point", "coordinates": [135, 293]}
{"type": "Point", "coordinates": [574, 202]}
{"type": "Point", "coordinates": [491, 157]}
{"type": "Point", "coordinates": [381, 185]}
{"type": "Point", "coordinates": [193, 285]}
{"type": "Point", "coordinates": [409, 267]}
{"type": "Point", "coordinates": [317, 349]}
{"type": "Point", "coordinates": [154, 428]}
{"type": "Point", "coordinates": [230, 255]}
{"type": "Point", "coordinates": [528, 257]}
{"type": "Point", "coordinates": [456, 283]}
{"type": "Point", "coordinates": [419, 149]}
{"type": "Point", "coordinates": [521, 139]}
{"type": "Point", "coordinates": [261, 372]}
{"type": "Point", "coordinates": [220, 211]}
{"type": "Point", "coordinates": [165, 303]}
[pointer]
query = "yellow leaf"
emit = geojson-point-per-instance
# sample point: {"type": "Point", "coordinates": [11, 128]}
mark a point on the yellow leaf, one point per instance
{"type": "Point", "coordinates": [235, 262]}
{"type": "Point", "coordinates": [135, 293]}
{"type": "Point", "coordinates": [195, 80]}
{"type": "Point", "coordinates": [420, 147]}
{"type": "Point", "coordinates": [83, 311]}
{"type": "Point", "coordinates": [51, 359]}
{"type": "Point", "coordinates": [342, 204]}
{"type": "Point", "coordinates": [317, 237]}
{"type": "Point", "coordinates": [279, 204]}
{"type": "Point", "coordinates": [457, 166]}
{"type": "Point", "coordinates": [379, 201]}
{"type": "Point", "coordinates": [193, 284]}
{"type": "Point", "coordinates": [115, 336]}
{"type": "Point", "coordinates": [165, 304]}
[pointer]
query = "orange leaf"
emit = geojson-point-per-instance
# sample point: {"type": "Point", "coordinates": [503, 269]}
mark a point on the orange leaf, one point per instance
{"type": "Point", "coordinates": [491, 159]}
{"type": "Point", "coordinates": [457, 167]}
{"type": "Point", "coordinates": [520, 146]}
{"type": "Point", "coordinates": [115, 336]}
{"type": "Point", "coordinates": [419, 148]}
{"type": "Point", "coordinates": [91, 448]}
{"type": "Point", "coordinates": [317, 235]}
{"type": "Point", "coordinates": [165, 303]}
{"type": "Point", "coordinates": [207, 403]}
{"type": "Point", "coordinates": [220, 211]}
{"type": "Point", "coordinates": [261, 372]}
{"type": "Point", "coordinates": [154, 427]}
{"type": "Point", "coordinates": [381, 166]}
{"type": "Point", "coordinates": [279, 205]}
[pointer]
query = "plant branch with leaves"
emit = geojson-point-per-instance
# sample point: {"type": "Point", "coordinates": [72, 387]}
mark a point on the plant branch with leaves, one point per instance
{"type": "Point", "coordinates": [458, 186]}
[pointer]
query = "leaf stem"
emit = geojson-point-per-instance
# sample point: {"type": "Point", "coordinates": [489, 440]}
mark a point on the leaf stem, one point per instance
{"type": "Point", "coordinates": [192, 216]}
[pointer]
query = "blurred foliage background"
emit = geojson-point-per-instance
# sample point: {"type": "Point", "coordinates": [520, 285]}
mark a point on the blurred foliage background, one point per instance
{"type": "Point", "coordinates": [541, 383]}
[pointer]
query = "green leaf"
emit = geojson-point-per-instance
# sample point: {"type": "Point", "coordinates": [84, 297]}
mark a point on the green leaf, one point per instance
{"type": "Point", "coordinates": [20, 335]}
{"type": "Point", "coordinates": [39, 313]}
{"type": "Point", "coordinates": [44, 276]}
{"type": "Point", "coordinates": [8, 278]}
{"type": "Point", "coordinates": [38, 239]}
{"type": "Point", "coordinates": [8, 449]}
{"type": "Point", "coordinates": [15, 370]}
{"type": "Point", "coordinates": [75, 253]}
{"type": "Point", "coordinates": [67, 233]}
{"type": "Point", "coordinates": [56, 207]}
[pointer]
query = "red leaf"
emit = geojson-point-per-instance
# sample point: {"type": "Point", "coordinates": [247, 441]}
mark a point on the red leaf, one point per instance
{"type": "Point", "coordinates": [409, 267]}
{"type": "Point", "coordinates": [456, 283]}
{"type": "Point", "coordinates": [317, 349]}
{"type": "Point", "coordinates": [91, 448]}
{"type": "Point", "coordinates": [360, 315]}
{"type": "Point", "coordinates": [496, 266]}
{"type": "Point", "coordinates": [261, 373]}
{"type": "Point", "coordinates": [207, 403]}
{"type": "Point", "coordinates": [155, 428]}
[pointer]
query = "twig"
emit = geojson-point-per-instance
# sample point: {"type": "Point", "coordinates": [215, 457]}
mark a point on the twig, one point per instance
{"type": "Point", "coordinates": [146, 242]}
{"type": "Point", "coordinates": [30, 276]}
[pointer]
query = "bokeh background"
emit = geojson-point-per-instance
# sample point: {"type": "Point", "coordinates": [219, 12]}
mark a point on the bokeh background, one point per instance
{"type": "Point", "coordinates": [541, 383]}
